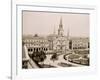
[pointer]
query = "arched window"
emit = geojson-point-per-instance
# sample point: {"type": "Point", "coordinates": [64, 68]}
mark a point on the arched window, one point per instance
{"type": "Point", "coordinates": [29, 50]}
{"type": "Point", "coordinates": [46, 49]}
{"type": "Point", "coordinates": [34, 49]}
{"type": "Point", "coordinates": [37, 49]}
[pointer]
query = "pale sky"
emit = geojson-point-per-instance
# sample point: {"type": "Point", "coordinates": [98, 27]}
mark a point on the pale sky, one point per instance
{"type": "Point", "coordinates": [43, 23]}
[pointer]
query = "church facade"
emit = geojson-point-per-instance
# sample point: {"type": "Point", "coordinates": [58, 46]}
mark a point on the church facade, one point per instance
{"type": "Point", "coordinates": [59, 42]}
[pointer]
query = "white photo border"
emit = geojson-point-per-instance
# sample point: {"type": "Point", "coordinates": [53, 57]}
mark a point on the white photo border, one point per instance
{"type": "Point", "coordinates": [19, 73]}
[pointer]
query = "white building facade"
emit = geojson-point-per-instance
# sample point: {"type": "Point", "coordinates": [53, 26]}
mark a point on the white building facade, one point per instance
{"type": "Point", "coordinates": [36, 43]}
{"type": "Point", "coordinates": [80, 43]}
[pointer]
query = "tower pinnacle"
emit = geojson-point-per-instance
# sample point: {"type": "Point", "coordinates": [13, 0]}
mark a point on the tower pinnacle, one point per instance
{"type": "Point", "coordinates": [68, 33]}
{"type": "Point", "coordinates": [54, 32]}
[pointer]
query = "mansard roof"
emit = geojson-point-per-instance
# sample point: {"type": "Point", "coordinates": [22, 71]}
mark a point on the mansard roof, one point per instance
{"type": "Point", "coordinates": [34, 37]}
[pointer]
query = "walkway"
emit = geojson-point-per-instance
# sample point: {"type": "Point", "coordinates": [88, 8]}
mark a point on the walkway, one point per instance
{"type": "Point", "coordinates": [61, 59]}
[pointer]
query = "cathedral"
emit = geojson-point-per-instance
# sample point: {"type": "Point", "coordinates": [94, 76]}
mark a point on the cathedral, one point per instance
{"type": "Point", "coordinates": [59, 42]}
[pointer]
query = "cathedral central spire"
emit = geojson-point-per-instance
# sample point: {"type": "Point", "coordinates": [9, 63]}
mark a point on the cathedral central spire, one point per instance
{"type": "Point", "coordinates": [60, 25]}
{"type": "Point", "coordinates": [60, 30]}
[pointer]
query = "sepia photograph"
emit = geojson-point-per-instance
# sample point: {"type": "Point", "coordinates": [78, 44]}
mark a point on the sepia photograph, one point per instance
{"type": "Point", "coordinates": [55, 39]}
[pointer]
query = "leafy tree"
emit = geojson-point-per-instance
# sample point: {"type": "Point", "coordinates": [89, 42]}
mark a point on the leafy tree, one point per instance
{"type": "Point", "coordinates": [54, 57]}
{"type": "Point", "coordinates": [38, 56]}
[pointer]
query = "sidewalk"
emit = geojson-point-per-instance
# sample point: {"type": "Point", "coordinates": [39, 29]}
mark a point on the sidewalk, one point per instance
{"type": "Point", "coordinates": [61, 59]}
